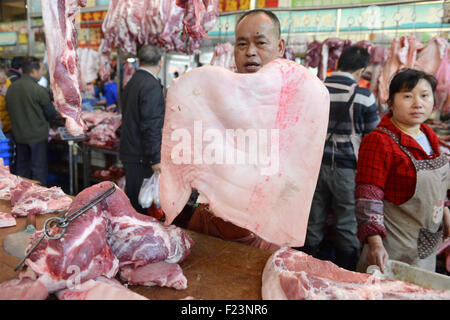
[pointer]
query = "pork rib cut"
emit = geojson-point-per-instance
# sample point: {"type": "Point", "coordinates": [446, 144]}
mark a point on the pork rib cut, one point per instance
{"type": "Point", "coordinates": [293, 275]}
{"type": "Point", "coordinates": [283, 100]}
{"type": "Point", "coordinates": [58, 17]}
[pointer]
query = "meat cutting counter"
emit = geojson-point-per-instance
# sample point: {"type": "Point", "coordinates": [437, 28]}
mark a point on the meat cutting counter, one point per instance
{"type": "Point", "coordinates": [215, 269]}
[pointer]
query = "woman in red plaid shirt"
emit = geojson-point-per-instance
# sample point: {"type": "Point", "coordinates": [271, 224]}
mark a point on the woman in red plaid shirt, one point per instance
{"type": "Point", "coordinates": [402, 180]}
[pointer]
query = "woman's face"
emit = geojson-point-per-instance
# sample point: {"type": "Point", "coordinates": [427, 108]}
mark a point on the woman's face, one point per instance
{"type": "Point", "coordinates": [411, 108]}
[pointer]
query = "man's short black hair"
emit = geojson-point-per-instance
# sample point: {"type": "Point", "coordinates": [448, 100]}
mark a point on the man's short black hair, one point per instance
{"type": "Point", "coordinates": [29, 65]}
{"type": "Point", "coordinates": [353, 58]}
{"type": "Point", "coordinates": [17, 62]}
{"type": "Point", "coordinates": [268, 13]}
{"type": "Point", "coordinates": [406, 80]}
{"type": "Point", "coordinates": [149, 55]}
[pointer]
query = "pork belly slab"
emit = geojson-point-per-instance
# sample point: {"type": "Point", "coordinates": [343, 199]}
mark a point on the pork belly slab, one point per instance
{"type": "Point", "coordinates": [266, 184]}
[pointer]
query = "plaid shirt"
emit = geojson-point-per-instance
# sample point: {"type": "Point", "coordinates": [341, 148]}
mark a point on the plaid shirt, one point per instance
{"type": "Point", "coordinates": [385, 172]}
{"type": "Point", "coordinates": [365, 118]}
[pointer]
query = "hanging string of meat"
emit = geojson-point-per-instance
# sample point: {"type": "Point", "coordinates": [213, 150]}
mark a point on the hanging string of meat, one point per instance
{"type": "Point", "coordinates": [61, 41]}
{"type": "Point", "coordinates": [174, 25]}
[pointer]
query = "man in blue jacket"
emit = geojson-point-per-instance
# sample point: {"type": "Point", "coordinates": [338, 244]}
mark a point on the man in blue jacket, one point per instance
{"type": "Point", "coordinates": [142, 122]}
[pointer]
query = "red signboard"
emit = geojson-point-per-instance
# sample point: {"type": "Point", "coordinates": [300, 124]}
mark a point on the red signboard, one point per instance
{"type": "Point", "coordinates": [267, 3]}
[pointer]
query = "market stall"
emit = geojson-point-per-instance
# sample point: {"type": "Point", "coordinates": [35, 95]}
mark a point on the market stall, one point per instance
{"type": "Point", "coordinates": [215, 269]}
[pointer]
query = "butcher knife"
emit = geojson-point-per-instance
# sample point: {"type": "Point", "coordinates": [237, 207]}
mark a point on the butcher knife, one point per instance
{"type": "Point", "coordinates": [16, 243]}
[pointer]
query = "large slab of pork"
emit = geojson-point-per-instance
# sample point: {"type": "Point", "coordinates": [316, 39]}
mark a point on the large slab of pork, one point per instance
{"type": "Point", "coordinates": [30, 198]}
{"type": "Point", "coordinates": [58, 17]}
{"type": "Point", "coordinates": [108, 236]}
{"type": "Point", "coordinates": [265, 186]}
{"type": "Point", "coordinates": [293, 275]}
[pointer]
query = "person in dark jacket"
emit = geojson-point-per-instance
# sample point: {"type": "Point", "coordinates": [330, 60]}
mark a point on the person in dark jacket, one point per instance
{"type": "Point", "coordinates": [30, 109]}
{"type": "Point", "coordinates": [142, 121]}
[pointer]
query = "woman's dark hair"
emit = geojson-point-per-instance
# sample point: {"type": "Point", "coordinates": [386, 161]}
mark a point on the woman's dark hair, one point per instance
{"type": "Point", "coordinates": [406, 80]}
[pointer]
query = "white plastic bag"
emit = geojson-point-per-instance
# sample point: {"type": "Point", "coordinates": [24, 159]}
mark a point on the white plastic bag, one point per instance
{"type": "Point", "coordinates": [149, 192]}
{"type": "Point", "coordinates": [156, 191]}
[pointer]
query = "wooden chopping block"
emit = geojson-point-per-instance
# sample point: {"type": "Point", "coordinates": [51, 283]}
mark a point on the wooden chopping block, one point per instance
{"type": "Point", "coordinates": [215, 270]}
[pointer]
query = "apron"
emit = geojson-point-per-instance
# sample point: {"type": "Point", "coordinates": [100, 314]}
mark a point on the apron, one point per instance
{"type": "Point", "coordinates": [204, 221]}
{"type": "Point", "coordinates": [415, 229]}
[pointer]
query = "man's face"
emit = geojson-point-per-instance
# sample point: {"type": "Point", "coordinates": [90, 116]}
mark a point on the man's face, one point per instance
{"type": "Point", "coordinates": [257, 43]}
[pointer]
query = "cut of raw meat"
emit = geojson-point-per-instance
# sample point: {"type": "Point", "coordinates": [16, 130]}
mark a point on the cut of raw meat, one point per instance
{"type": "Point", "coordinates": [23, 289]}
{"type": "Point", "coordinates": [82, 254]}
{"type": "Point", "coordinates": [331, 50]}
{"type": "Point", "coordinates": [271, 199]}
{"type": "Point", "coordinates": [403, 53]}
{"type": "Point", "coordinates": [138, 239]}
{"type": "Point", "coordinates": [431, 55]}
{"type": "Point", "coordinates": [58, 17]}
{"type": "Point", "coordinates": [29, 198]}
{"type": "Point", "coordinates": [162, 274]}
{"type": "Point", "coordinates": [132, 23]}
{"type": "Point", "coordinates": [8, 181]}
{"type": "Point", "coordinates": [93, 118]}
{"type": "Point", "coordinates": [313, 53]}
{"type": "Point", "coordinates": [293, 275]}
{"type": "Point", "coordinates": [108, 234]}
{"type": "Point", "coordinates": [224, 56]}
{"type": "Point", "coordinates": [104, 134]}
{"type": "Point", "coordinates": [99, 289]}
{"type": "Point", "coordinates": [89, 62]}
{"type": "Point", "coordinates": [6, 220]}
{"type": "Point", "coordinates": [128, 70]}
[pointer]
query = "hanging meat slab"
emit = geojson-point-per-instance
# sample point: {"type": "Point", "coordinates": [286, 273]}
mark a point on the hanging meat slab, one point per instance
{"type": "Point", "coordinates": [58, 17]}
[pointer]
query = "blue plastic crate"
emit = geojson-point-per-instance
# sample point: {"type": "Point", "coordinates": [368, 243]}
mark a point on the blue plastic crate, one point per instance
{"type": "Point", "coordinates": [6, 161]}
{"type": "Point", "coordinates": [5, 147]}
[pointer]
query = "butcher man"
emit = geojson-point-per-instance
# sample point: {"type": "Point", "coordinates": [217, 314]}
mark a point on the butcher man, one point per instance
{"type": "Point", "coordinates": [257, 42]}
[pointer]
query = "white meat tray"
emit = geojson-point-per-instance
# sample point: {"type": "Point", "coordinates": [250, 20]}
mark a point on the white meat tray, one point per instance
{"type": "Point", "coordinates": [404, 272]}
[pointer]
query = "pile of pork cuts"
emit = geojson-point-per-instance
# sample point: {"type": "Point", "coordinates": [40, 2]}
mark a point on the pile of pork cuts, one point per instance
{"type": "Point", "coordinates": [293, 275]}
{"type": "Point", "coordinates": [109, 239]}
{"type": "Point", "coordinates": [28, 198]}
{"type": "Point", "coordinates": [103, 128]}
